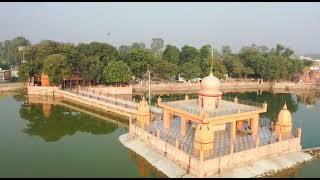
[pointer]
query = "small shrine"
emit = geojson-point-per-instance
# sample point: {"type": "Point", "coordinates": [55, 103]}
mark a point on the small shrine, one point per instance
{"type": "Point", "coordinates": [45, 80]}
{"type": "Point", "coordinates": [283, 127]}
{"type": "Point", "coordinates": [143, 114]}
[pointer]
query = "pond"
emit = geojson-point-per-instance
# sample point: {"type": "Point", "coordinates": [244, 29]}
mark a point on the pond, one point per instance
{"type": "Point", "coordinates": [43, 140]}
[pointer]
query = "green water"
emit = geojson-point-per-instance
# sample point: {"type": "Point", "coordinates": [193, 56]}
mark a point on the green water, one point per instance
{"type": "Point", "coordinates": [62, 142]}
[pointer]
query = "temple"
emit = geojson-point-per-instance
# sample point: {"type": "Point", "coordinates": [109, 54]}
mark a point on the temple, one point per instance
{"type": "Point", "coordinates": [210, 134]}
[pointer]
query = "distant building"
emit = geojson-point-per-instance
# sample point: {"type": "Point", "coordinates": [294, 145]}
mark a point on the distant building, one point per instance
{"type": "Point", "coordinates": [311, 75]}
{"type": "Point", "coordinates": [5, 74]}
{"type": "Point", "coordinates": [181, 78]}
{"type": "Point", "coordinates": [305, 58]}
{"type": "Point", "coordinates": [14, 72]}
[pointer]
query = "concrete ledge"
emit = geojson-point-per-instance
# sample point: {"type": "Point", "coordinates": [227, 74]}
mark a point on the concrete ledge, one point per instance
{"type": "Point", "coordinates": [259, 168]}
{"type": "Point", "coordinates": [172, 170]}
{"type": "Point", "coordinates": [157, 160]}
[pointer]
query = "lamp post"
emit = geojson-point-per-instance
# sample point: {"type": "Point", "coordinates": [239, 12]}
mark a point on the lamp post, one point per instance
{"type": "Point", "coordinates": [149, 88]}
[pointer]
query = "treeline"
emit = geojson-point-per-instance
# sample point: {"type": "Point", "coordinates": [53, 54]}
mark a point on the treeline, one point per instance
{"type": "Point", "coordinates": [105, 64]}
{"type": "Point", "coordinates": [9, 54]}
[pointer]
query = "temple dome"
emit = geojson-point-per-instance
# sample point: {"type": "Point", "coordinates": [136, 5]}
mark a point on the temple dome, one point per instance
{"type": "Point", "coordinates": [284, 117]}
{"type": "Point", "coordinates": [210, 85]}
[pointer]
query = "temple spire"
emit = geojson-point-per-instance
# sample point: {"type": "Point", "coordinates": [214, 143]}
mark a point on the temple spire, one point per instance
{"type": "Point", "coordinates": [211, 61]}
{"type": "Point", "coordinates": [285, 106]}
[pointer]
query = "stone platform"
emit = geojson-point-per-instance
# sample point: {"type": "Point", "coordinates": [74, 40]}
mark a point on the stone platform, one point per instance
{"type": "Point", "coordinates": [172, 170]}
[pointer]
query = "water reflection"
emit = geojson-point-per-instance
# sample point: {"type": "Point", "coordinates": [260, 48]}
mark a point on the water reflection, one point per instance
{"type": "Point", "coordinates": [310, 99]}
{"type": "Point", "coordinates": [52, 122]}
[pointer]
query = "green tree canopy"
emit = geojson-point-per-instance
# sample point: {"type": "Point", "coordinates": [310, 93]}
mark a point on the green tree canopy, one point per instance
{"type": "Point", "coordinates": [116, 72]}
{"type": "Point", "coordinates": [171, 54]}
{"type": "Point", "coordinates": [139, 60]}
{"type": "Point", "coordinates": [190, 70]}
{"type": "Point", "coordinates": [56, 68]}
{"type": "Point", "coordinates": [189, 54]}
{"type": "Point", "coordinates": [157, 45]}
{"type": "Point", "coordinates": [164, 70]}
{"type": "Point", "coordinates": [9, 53]}
{"type": "Point", "coordinates": [139, 45]}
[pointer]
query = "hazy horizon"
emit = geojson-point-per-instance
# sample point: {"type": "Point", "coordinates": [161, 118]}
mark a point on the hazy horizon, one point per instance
{"type": "Point", "coordinates": [234, 24]}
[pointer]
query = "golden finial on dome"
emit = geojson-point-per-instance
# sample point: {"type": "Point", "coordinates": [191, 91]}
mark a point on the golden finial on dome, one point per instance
{"type": "Point", "coordinates": [211, 62]}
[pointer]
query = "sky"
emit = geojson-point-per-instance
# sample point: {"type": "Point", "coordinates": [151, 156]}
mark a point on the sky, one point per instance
{"type": "Point", "coordinates": [295, 25]}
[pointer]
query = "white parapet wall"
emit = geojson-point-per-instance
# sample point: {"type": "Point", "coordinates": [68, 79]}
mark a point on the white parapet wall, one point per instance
{"type": "Point", "coordinates": [44, 90]}
{"type": "Point", "coordinates": [111, 90]}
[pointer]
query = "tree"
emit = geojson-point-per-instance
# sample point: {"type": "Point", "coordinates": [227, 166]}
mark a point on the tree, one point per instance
{"type": "Point", "coordinates": [91, 68]}
{"type": "Point", "coordinates": [157, 45]}
{"type": "Point", "coordinates": [226, 51]}
{"type": "Point", "coordinates": [124, 51]}
{"type": "Point", "coordinates": [139, 60]}
{"type": "Point", "coordinates": [171, 54]}
{"type": "Point", "coordinates": [140, 45]}
{"type": "Point", "coordinates": [56, 68]}
{"type": "Point", "coordinates": [239, 69]}
{"type": "Point", "coordinates": [190, 70]}
{"type": "Point", "coordinates": [218, 68]}
{"type": "Point", "coordinates": [45, 48]}
{"type": "Point", "coordinates": [164, 69]}
{"type": "Point", "coordinates": [116, 72]}
{"type": "Point", "coordinates": [205, 54]}
{"type": "Point", "coordinates": [189, 54]}
{"type": "Point", "coordinates": [9, 53]}
{"type": "Point", "coordinates": [103, 51]}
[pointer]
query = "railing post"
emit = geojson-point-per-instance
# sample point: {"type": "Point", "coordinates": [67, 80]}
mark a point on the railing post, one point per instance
{"type": "Point", "coordinates": [265, 105]}
{"type": "Point", "coordinates": [236, 100]}
{"type": "Point", "coordinates": [177, 143]}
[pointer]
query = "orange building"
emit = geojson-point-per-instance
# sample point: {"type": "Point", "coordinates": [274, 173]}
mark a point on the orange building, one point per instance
{"type": "Point", "coordinates": [45, 80]}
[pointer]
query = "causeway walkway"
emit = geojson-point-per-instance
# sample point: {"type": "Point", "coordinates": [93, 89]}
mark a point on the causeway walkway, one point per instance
{"type": "Point", "coordinates": [110, 104]}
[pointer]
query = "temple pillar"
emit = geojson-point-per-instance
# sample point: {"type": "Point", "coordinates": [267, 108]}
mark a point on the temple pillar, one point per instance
{"type": "Point", "coordinates": [183, 125]}
{"type": "Point", "coordinates": [232, 136]}
{"type": "Point", "coordinates": [257, 140]}
{"type": "Point", "coordinates": [166, 119]}
{"type": "Point", "coordinates": [255, 125]}
{"type": "Point", "coordinates": [177, 144]}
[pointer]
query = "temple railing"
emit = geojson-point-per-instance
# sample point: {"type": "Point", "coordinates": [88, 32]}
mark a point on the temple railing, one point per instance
{"type": "Point", "coordinates": [243, 101]}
